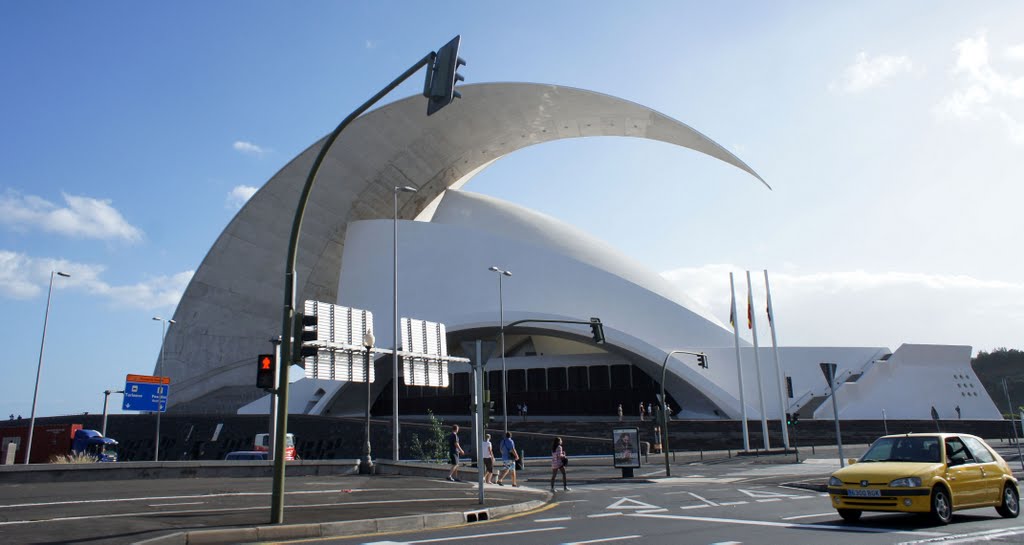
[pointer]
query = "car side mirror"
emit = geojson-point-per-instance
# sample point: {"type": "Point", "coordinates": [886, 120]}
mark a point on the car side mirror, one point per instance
{"type": "Point", "coordinates": [851, 461]}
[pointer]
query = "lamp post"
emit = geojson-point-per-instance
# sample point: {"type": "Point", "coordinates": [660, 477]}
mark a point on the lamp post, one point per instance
{"type": "Point", "coordinates": [394, 355]}
{"type": "Point", "coordinates": [366, 463]}
{"type": "Point", "coordinates": [664, 409]}
{"type": "Point", "coordinates": [39, 368]}
{"type": "Point", "coordinates": [160, 375]}
{"type": "Point", "coordinates": [501, 326]}
{"type": "Point", "coordinates": [106, 396]}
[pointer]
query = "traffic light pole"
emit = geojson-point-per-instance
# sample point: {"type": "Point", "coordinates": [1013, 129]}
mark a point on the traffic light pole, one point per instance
{"type": "Point", "coordinates": [288, 313]}
{"type": "Point", "coordinates": [664, 403]}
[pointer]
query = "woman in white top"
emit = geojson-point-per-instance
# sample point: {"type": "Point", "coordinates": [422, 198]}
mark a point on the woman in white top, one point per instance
{"type": "Point", "coordinates": [558, 462]}
{"type": "Point", "coordinates": [487, 453]}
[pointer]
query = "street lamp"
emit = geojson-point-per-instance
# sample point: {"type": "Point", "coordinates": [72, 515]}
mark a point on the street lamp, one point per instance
{"type": "Point", "coordinates": [664, 402]}
{"type": "Point", "coordinates": [39, 368]}
{"type": "Point", "coordinates": [106, 396]}
{"type": "Point", "coordinates": [501, 327]}
{"type": "Point", "coordinates": [160, 375]}
{"type": "Point", "coordinates": [366, 463]}
{"type": "Point", "coordinates": [394, 355]}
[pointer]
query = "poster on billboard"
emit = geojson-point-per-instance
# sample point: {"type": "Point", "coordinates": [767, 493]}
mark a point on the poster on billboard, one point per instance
{"type": "Point", "coordinates": [626, 447]}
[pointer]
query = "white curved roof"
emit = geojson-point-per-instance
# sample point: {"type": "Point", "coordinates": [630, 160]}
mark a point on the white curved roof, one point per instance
{"type": "Point", "coordinates": [232, 305]}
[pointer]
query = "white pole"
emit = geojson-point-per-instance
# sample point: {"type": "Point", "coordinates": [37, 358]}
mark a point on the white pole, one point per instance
{"type": "Point", "coordinates": [739, 364]}
{"type": "Point", "coordinates": [757, 362]}
{"type": "Point", "coordinates": [478, 420]}
{"type": "Point", "coordinates": [395, 344]}
{"type": "Point", "coordinates": [778, 368]}
{"type": "Point", "coordinates": [39, 368]}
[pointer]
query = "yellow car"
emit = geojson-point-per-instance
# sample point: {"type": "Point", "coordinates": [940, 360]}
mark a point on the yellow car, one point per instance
{"type": "Point", "coordinates": [935, 473]}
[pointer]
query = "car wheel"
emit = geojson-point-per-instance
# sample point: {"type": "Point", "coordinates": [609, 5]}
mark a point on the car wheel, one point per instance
{"type": "Point", "coordinates": [942, 506]}
{"type": "Point", "coordinates": [849, 515]}
{"type": "Point", "coordinates": [1010, 507]}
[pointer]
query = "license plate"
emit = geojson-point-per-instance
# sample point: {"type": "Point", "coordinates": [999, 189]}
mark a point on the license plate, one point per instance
{"type": "Point", "coordinates": [865, 493]}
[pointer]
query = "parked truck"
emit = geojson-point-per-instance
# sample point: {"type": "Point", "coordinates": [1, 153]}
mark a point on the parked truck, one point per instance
{"type": "Point", "coordinates": [262, 444]}
{"type": "Point", "coordinates": [52, 440]}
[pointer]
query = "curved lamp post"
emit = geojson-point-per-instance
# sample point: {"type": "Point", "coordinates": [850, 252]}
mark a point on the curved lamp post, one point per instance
{"type": "Point", "coordinates": [501, 326]}
{"type": "Point", "coordinates": [366, 463]}
{"type": "Point", "coordinates": [106, 396]}
{"type": "Point", "coordinates": [394, 355]}
{"type": "Point", "coordinates": [39, 368]}
{"type": "Point", "coordinates": [664, 405]}
{"type": "Point", "coordinates": [160, 374]}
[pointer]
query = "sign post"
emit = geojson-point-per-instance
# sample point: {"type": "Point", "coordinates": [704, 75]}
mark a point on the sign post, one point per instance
{"type": "Point", "coordinates": [829, 370]}
{"type": "Point", "coordinates": [147, 393]}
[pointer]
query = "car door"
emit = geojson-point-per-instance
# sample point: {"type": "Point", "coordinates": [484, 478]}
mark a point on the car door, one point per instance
{"type": "Point", "coordinates": [963, 474]}
{"type": "Point", "coordinates": [990, 491]}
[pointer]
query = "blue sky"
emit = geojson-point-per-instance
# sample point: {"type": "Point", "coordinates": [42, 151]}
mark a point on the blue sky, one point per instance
{"type": "Point", "coordinates": [892, 134]}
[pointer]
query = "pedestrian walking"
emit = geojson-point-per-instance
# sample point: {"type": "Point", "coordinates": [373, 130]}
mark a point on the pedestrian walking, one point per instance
{"type": "Point", "coordinates": [558, 462]}
{"type": "Point", "coordinates": [509, 456]}
{"type": "Point", "coordinates": [649, 410]}
{"type": "Point", "coordinates": [454, 451]}
{"type": "Point", "coordinates": [487, 453]}
{"type": "Point", "coordinates": [641, 411]}
{"type": "Point", "coordinates": [524, 411]}
{"type": "Point", "coordinates": [620, 412]}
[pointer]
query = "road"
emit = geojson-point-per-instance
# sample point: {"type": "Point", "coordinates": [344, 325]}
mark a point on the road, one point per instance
{"type": "Point", "coordinates": [719, 503]}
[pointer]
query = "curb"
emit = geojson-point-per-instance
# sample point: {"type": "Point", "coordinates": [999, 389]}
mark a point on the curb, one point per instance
{"type": "Point", "coordinates": [341, 528]}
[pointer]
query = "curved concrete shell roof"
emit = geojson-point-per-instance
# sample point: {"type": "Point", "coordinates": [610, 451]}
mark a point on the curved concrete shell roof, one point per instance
{"type": "Point", "coordinates": [232, 305]}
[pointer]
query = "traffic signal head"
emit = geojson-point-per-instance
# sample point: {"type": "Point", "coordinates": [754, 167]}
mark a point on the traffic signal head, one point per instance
{"type": "Point", "coordinates": [796, 419]}
{"type": "Point", "coordinates": [442, 76]}
{"type": "Point", "coordinates": [702, 360]}
{"type": "Point", "coordinates": [597, 330]}
{"type": "Point", "coordinates": [789, 419]}
{"type": "Point", "coordinates": [306, 332]}
{"type": "Point", "coordinates": [266, 369]}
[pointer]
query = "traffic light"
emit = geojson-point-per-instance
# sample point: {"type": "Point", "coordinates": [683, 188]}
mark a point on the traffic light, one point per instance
{"type": "Point", "coordinates": [789, 419]}
{"type": "Point", "coordinates": [796, 419]}
{"type": "Point", "coordinates": [488, 407]}
{"type": "Point", "coordinates": [702, 360]}
{"type": "Point", "coordinates": [266, 369]}
{"type": "Point", "coordinates": [597, 329]}
{"type": "Point", "coordinates": [306, 331]}
{"type": "Point", "coordinates": [442, 76]}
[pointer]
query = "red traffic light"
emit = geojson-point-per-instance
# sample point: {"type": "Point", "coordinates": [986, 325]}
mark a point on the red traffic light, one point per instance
{"type": "Point", "coordinates": [265, 371]}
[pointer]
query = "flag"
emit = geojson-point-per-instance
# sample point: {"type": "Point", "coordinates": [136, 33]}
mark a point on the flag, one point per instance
{"type": "Point", "coordinates": [732, 311]}
{"type": "Point", "coordinates": [750, 312]}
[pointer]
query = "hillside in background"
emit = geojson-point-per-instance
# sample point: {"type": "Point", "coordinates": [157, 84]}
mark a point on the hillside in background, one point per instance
{"type": "Point", "coordinates": [992, 367]}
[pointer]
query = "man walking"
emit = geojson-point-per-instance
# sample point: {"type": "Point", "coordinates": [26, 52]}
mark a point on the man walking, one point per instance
{"type": "Point", "coordinates": [454, 451]}
{"type": "Point", "coordinates": [509, 456]}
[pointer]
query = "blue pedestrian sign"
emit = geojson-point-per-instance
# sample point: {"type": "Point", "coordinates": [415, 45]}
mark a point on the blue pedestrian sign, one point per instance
{"type": "Point", "coordinates": [146, 393]}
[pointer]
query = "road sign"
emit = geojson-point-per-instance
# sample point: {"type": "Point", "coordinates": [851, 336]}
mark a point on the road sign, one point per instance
{"type": "Point", "coordinates": [425, 353]}
{"type": "Point", "coordinates": [146, 393]}
{"type": "Point", "coordinates": [829, 370]}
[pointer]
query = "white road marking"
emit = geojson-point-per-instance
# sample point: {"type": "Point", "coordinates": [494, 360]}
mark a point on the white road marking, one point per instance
{"type": "Point", "coordinates": [182, 503]}
{"type": "Point", "coordinates": [804, 498]}
{"type": "Point", "coordinates": [701, 506]}
{"type": "Point", "coordinates": [705, 500]}
{"type": "Point", "coordinates": [652, 473]}
{"type": "Point", "coordinates": [734, 503]}
{"type": "Point", "coordinates": [830, 527]}
{"type": "Point", "coordinates": [478, 536]}
{"type": "Point", "coordinates": [764, 494]}
{"type": "Point", "coordinates": [972, 537]}
{"type": "Point", "coordinates": [661, 510]}
{"type": "Point", "coordinates": [602, 540]}
{"type": "Point", "coordinates": [829, 514]}
{"type": "Point", "coordinates": [219, 510]}
{"type": "Point", "coordinates": [766, 500]}
{"type": "Point", "coordinates": [627, 503]}
{"type": "Point", "coordinates": [728, 543]}
{"type": "Point", "coordinates": [571, 501]}
{"type": "Point", "coordinates": [599, 515]}
{"type": "Point", "coordinates": [553, 519]}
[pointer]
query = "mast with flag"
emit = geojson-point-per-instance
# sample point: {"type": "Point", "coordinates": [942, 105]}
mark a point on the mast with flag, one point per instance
{"type": "Point", "coordinates": [739, 364]}
{"type": "Point", "coordinates": [752, 323]}
{"type": "Point", "coordinates": [778, 367]}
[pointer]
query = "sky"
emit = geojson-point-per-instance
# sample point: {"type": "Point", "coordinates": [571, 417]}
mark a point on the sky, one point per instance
{"type": "Point", "coordinates": [892, 135]}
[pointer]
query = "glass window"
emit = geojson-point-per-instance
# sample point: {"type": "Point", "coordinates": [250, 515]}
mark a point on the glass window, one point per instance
{"type": "Point", "coordinates": [957, 452]}
{"type": "Point", "coordinates": [578, 379]}
{"type": "Point", "coordinates": [461, 384]}
{"type": "Point", "coordinates": [599, 377]}
{"type": "Point", "coordinates": [903, 449]}
{"type": "Point", "coordinates": [537, 380]}
{"type": "Point", "coordinates": [621, 379]}
{"type": "Point", "coordinates": [979, 450]}
{"type": "Point", "coordinates": [516, 380]}
{"type": "Point", "coordinates": [556, 379]}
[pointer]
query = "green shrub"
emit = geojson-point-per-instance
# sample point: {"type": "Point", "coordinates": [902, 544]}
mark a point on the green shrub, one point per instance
{"type": "Point", "coordinates": [73, 458]}
{"type": "Point", "coordinates": [433, 447]}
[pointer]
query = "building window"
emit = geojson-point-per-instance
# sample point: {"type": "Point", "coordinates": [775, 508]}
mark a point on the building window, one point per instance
{"type": "Point", "coordinates": [621, 377]}
{"type": "Point", "coordinates": [556, 379]}
{"type": "Point", "coordinates": [599, 378]}
{"type": "Point", "coordinates": [578, 379]}
{"type": "Point", "coordinates": [536, 380]}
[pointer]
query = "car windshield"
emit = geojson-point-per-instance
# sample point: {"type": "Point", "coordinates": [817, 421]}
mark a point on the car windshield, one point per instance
{"type": "Point", "coordinates": [903, 449]}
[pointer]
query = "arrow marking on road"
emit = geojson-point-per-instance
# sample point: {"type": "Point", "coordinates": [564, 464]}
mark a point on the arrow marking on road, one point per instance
{"type": "Point", "coordinates": [633, 504]}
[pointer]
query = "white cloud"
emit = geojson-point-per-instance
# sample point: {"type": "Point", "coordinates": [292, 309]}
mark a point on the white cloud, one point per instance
{"type": "Point", "coordinates": [1015, 52]}
{"type": "Point", "coordinates": [239, 195]}
{"type": "Point", "coordinates": [862, 308]}
{"type": "Point", "coordinates": [83, 217]}
{"type": "Point", "coordinates": [25, 277]}
{"type": "Point", "coordinates": [866, 73]}
{"type": "Point", "coordinates": [249, 148]}
{"type": "Point", "coordinates": [983, 92]}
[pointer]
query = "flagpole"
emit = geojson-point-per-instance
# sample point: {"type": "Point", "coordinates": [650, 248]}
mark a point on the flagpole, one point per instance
{"type": "Point", "coordinates": [739, 364]}
{"type": "Point", "coordinates": [778, 368]}
{"type": "Point", "coordinates": [757, 362]}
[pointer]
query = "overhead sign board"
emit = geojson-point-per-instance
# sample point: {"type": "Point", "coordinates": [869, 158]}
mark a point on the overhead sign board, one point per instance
{"type": "Point", "coordinates": [424, 353]}
{"type": "Point", "coordinates": [340, 353]}
{"type": "Point", "coordinates": [146, 393]}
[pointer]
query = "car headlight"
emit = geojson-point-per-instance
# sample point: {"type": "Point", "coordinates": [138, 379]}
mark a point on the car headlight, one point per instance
{"type": "Point", "coordinates": [909, 482]}
{"type": "Point", "coordinates": [835, 481]}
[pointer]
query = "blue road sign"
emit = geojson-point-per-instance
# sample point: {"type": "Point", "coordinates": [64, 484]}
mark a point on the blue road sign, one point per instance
{"type": "Point", "coordinates": [145, 393]}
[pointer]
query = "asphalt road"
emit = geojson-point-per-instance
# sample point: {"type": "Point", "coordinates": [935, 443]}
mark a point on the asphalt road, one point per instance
{"type": "Point", "coordinates": [716, 503]}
